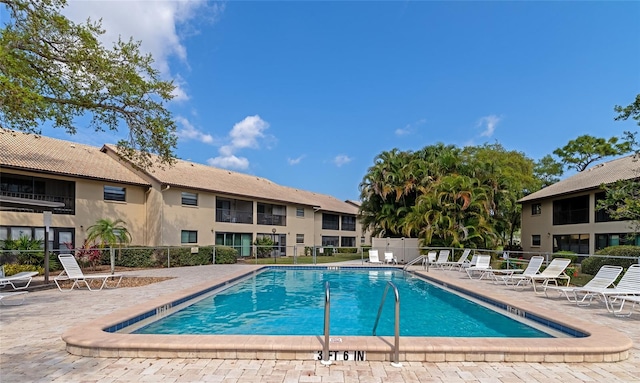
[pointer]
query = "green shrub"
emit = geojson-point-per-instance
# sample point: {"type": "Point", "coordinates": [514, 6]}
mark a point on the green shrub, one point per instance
{"type": "Point", "coordinates": [566, 254]}
{"type": "Point", "coordinates": [347, 250]}
{"type": "Point", "coordinates": [226, 255]}
{"type": "Point", "coordinates": [14, 268]}
{"type": "Point", "coordinates": [592, 264]}
{"type": "Point", "coordinates": [135, 257]}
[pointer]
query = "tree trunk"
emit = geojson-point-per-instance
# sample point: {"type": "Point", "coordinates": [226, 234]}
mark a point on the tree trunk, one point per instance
{"type": "Point", "coordinates": [112, 254]}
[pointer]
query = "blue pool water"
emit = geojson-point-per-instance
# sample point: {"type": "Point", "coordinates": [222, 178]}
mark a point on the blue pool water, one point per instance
{"type": "Point", "coordinates": [291, 302]}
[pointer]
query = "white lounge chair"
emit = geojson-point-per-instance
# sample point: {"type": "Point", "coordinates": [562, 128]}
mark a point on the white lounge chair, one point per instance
{"type": "Point", "coordinates": [18, 281]}
{"type": "Point", "coordinates": [12, 294]}
{"type": "Point", "coordinates": [443, 259]}
{"type": "Point", "coordinates": [629, 284]}
{"type": "Point", "coordinates": [624, 299]}
{"type": "Point", "coordinates": [474, 260]}
{"type": "Point", "coordinates": [483, 265]}
{"type": "Point", "coordinates": [604, 278]}
{"type": "Point", "coordinates": [373, 256]}
{"type": "Point", "coordinates": [551, 274]}
{"type": "Point", "coordinates": [533, 268]}
{"type": "Point", "coordinates": [389, 258]}
{"type": "Point", "coordinates": [464, 258]}
{"type": "Point", "coordinates": [430, 258]}
{"type": "Point", "coordinates": [72, 272]}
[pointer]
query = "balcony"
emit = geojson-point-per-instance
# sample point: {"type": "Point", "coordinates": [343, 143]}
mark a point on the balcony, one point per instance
{"type": "Point", "coordinates": [234, 216]}
{"type": "Point", "coordinates": [272, 219]}
{"type": "Point", "coordinates": [36, 203]}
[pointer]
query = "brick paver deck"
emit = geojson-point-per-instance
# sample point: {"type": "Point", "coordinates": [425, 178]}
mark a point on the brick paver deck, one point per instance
{"type": "Point", "coordinates": [31, 349]}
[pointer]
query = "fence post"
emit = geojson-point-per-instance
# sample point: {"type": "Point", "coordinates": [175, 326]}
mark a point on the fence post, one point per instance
{"type": "Point", "coordinates": [168, 258]}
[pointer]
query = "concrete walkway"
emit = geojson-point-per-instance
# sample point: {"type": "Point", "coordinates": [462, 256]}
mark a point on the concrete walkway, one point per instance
{"type": "Point", "coordinates": [31, 349]}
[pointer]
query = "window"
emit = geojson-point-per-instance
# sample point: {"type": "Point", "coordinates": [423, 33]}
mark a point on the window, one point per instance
{"type": "Point", "coordinates": [348, 242]}
{"type": "Point", "coordinates": [330, 221]}
{"type": "Point", "coordinates": [577, 243]}
{"type": "Point", "coordinates": [330, 241]}
{"type": "Point", "coordinates": [239, 241]}
{"type": "Point", "coordinates": [189, 236]}
{"type": "Point", "coordinates": [190, 199]}
{"type": "Point", "coordinates": [234, 211]}
{"type": "Point", "coordinates": [535, 240]}
{"type": "Point", "coordinates": [300, 212]}
{"type": "Point", "coordinates": [601, 214]}
{"type": "Point", "coordinates": [536, 209]}
{"type": "Point", "coordinates": [115, 193]}
{"type": "Point", "coordinates": [41, 189]}
{"type": "Point", "coordinates": [269, 214]}
{"type": "Point", "coordinates": [571, 210]}
{"type": "Point", "coordinates": [618, 239]}
{"type": "Point", "coordinates": [348, 223]}
{"type": "Point", "coordinates": [299, 238]}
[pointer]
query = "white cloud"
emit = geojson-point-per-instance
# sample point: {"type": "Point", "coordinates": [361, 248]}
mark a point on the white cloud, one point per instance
{"type": "Point", "coordinates": [244, 134]}
{"type": "Point", "coordinates": [341, 160]}
{"type": "Point", "coordinates": [488, 123]}
{"type": "Point", "coordinates": [189, 132]}
{"type": "Point", "coordinates": [229, 162]}
{"type": "Point", "coordinates": [161, 26]}
{"type": "Point", "coordinates": [294, 161]}
{"type": "Point", "coordinates": [410, 128]}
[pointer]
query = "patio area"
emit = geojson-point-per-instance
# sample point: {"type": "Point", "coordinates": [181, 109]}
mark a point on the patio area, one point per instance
{"type": "Point", "coordinates": [31, 348]}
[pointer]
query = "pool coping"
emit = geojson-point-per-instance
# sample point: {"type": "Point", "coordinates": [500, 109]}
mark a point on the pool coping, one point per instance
{"type": "Point", "coordinates": [602, 344]}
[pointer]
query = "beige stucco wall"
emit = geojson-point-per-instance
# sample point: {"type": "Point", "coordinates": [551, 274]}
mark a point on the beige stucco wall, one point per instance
{"type": "Point", "coordinates": [155, 216]}
{"type": "Point", "coordinates": [90, 206]}
{"type": "Point", "coordinates": [542, 225]}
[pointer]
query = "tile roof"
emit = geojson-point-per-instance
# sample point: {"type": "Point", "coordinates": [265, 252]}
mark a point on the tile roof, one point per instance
{"type": "Point", "coordinates": [604, 173]}
{"type": "Point", "coordinates": [191, 175]}
{"type": "Point", "coordinates": [33, 152]}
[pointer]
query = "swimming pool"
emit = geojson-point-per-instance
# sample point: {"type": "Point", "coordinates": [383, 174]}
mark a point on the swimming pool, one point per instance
{"type": "Point", "coordinates": [288, 301]}
{"type": "Point", "coordinates": [99, 337]}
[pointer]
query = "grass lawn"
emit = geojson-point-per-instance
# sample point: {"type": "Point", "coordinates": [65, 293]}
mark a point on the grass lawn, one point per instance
{"type": "Point", "coordinates": [304, 260]}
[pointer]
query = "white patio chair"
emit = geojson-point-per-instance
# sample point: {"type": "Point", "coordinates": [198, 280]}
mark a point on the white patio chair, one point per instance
{"type": "Point", "coordinates": [72, 272]}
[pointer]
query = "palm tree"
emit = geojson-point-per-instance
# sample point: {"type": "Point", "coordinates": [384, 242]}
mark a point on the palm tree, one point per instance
{"type": "Point", "coordinates": [109, 233]}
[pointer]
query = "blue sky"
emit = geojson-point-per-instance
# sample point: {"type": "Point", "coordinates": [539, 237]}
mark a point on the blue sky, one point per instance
{"type": "Point", "coordinates": [306, 94]}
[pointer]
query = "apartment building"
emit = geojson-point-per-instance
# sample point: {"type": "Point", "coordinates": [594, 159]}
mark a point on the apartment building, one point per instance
{"type": "Point", "coordinates": [563, 216]}
{"type": "Point", "coordinates": [186, 204]}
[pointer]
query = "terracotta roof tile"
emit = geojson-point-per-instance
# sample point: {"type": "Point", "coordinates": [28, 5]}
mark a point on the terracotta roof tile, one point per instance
{"type": "Point", "coordinates": [191, 175]}
{"type": "Point", "coordinates": [44, 154]}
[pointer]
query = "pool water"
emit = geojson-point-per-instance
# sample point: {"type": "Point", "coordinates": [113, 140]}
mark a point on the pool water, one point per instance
{"type": "Point", "coordinates": [291, 302]}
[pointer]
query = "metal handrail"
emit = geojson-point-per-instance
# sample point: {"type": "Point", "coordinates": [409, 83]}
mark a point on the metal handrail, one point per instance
{"type": "Point", "coordinates": [420, 258]}
{"type": "Point", "coordinates": [397, 320]}
{"type": "Point", "coordinates": [327, 305]}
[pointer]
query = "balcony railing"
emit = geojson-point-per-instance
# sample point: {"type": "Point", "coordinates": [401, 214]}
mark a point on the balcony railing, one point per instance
{"type": "Point", "coordinates": [234, 216]}
{"type": "Point", "coordinates": [272, 219]}
{"type": "Point", "coordinates": [68, 208]}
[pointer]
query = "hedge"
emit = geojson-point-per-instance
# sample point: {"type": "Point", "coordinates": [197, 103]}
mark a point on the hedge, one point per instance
{"type": "Point", "coordinates": [592, 264]}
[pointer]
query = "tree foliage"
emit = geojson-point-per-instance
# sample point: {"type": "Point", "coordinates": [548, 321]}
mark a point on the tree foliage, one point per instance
{"type": "Point", "coordinates": [583, 151]}
{"type": "Point", "coordinates": [622, 198]}
{"type": "Point", "coordinates": [632, 110]}
{"type": "Point", "coordinates": [55, 71]}
{"type": "Point", "coordinates": [109, 233]}
{"type": "Point", "coordinates": [548, 170]}
{"type": "Point", "coordinates": [445, 195]}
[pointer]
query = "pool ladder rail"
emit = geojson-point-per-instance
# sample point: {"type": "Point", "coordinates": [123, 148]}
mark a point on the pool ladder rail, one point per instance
{"type": "Point", "coordinates": [327, 305]}
{"type": "Point", "coordinates": [425, 262]}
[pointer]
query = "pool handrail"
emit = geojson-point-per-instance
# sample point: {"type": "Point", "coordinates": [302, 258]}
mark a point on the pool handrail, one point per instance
{"type": "Point", "coordinates": [414, 261]}
{"type": "Point", "coordinates": [395, 362]}
{"type": "Point", "coordinates": [327, 305]}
